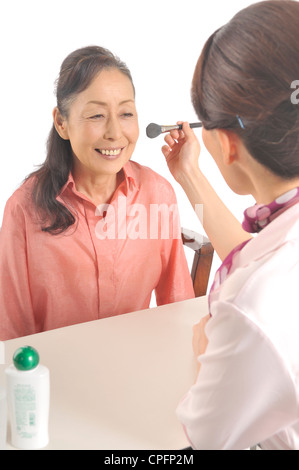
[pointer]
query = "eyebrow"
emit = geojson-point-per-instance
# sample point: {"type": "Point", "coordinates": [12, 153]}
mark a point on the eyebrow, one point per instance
{"type": "Point", "coordinates": [102, 103]}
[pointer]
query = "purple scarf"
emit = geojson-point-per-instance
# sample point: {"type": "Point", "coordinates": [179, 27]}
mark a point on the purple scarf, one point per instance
{"type": "Point", "coordinates": [255, 219]}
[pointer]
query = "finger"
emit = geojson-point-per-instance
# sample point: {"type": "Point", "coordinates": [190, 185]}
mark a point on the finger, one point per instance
{"type": "Point", "coordinates": [186, 129]}
{"type": "Point", "coordinates": [196, 330]}
{"type": "Point", "coordinates": [204, 321]}
{"type": "Point", "coordinates": [206, 318]}
{"type": "Point", "coordinates": [175, 134]}
{"type": "Point", "coordinates": [166, 150]}
{"type": "Point", "coordinates": [169, 140]}
{"type": "Point", "coordinates": [181, 134]}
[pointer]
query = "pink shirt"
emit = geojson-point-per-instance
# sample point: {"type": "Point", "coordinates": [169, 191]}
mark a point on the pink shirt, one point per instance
{"type": "Point", "coordinates": [108, 264]}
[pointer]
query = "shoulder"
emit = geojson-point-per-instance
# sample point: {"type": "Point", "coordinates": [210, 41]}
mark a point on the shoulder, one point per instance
{"type": "Point", "coordinates": [264, 284]}
{"type": "Point", "coordinates": [267, 268]}
{"type": "Point", "coordinates": [21, 199]}
{"type": "Point", "coordinates": [148, 179]}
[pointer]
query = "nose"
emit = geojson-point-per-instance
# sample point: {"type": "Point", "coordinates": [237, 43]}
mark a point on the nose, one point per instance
{"type": "Point", "coordinates": [113, 130]}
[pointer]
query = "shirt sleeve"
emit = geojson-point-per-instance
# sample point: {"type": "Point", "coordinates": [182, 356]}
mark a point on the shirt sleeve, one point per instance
{"type": "Point", "coordinates": [16, 312]}
{"type": "Point", "coordinates": [175, 283]}
{"type": "Point", "coordinates": [244, 393]}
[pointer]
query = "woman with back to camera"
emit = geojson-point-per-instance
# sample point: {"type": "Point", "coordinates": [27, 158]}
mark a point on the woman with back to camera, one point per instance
{"type": "Point", "coordinates": [73, 245]}
{"type": "Point", "coordinates": [247, 388]}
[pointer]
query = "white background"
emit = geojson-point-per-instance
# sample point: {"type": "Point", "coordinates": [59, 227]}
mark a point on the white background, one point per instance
{"type": "Point", "coordinates": [160, 41]}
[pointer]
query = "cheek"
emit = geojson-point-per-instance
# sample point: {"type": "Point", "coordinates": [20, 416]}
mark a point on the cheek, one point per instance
{"type": "Point", "coordinates": [84, 134]}
{"type": "Point", "coordinates": [131, 130]}
{"type": "Point", "coordinates": [135, 138]}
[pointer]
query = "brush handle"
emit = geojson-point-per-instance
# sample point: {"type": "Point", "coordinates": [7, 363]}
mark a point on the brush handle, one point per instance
{"type": "Point", "coordinates": [194, 124]}
{"type": "Point", "coordinates": [153, 130]}
{"type": "Point", "coordinates": [179, 127]}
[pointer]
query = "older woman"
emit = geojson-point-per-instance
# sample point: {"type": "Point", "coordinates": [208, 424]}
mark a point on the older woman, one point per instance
{"type": "Point", "coordinates": [85, 236]}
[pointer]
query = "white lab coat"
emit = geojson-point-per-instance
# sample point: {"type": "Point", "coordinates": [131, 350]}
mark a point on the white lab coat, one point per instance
{"type": "Point", "coordinates": [247, 391]}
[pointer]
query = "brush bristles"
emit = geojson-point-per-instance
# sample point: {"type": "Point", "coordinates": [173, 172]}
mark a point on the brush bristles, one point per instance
{"type": "Point", "coordinates": [153, 130]}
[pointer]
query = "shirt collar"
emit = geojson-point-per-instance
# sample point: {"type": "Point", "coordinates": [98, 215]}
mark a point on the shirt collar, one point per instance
{"type": "Point", "coordinates": [130, 181]}
{"type": "Point", "coordinates": [69, 184]}
{"type": "Point", "coordinates": [130, 176]}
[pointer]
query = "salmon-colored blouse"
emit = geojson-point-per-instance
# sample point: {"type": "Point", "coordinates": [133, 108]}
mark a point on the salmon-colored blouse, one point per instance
{"type": "Point", "coordinates": [108, 264]}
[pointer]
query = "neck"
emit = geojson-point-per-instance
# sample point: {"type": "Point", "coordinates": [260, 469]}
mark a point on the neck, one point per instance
{"type": "Point", "coordinates": [272, 188]}
{"type": "Point", "coordinates": [99, 188]}
{"type": "Point", "coordinates": [264, 185]}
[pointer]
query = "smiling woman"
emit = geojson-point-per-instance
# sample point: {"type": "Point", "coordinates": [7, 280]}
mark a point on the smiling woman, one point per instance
{"type": "Point", "coordinates": [55, 268]}
{"type": "Point", "coordinates": [102, 127]}
{"type": "Point", "coordinates": [94, 91]}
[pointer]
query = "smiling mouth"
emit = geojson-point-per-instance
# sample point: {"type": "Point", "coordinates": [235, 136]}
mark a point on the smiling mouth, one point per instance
{"type": "Point", "coordinates": [109, 152]}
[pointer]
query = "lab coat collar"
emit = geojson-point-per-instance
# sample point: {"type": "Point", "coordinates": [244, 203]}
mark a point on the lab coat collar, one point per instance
{"type": "Point", "coordinates": [281, 230]}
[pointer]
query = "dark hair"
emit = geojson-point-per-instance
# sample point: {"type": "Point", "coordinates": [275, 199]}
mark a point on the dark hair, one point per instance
{"type": "Point", "coordinates": [246, 69]}
{"type": "Point", "coordinates": [76, 73]}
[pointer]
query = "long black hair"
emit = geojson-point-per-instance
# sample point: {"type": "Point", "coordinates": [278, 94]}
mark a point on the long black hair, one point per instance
{"type": "Point", "coordinates": [76, 73]}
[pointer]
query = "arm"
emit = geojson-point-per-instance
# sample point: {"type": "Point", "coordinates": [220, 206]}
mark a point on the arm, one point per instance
{"type": "Point", "coordinates": [223, 229]}
{"type": "Point", "coordinates": [16, 312]}
{"type": "Point", "coordinates": [175, 282]}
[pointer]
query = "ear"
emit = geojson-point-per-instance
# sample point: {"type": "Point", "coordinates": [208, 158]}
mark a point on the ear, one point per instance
{"type": "Point", "coordinates": [60, 124]}
{"type": "Point", "coordinates": [228, 142]}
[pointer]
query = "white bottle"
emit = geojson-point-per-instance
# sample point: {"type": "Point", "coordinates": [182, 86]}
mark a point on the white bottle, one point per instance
{"type": "Point", "coordinates": [28, 397]}
{"type": "Point", "coordinates": [3, 418]}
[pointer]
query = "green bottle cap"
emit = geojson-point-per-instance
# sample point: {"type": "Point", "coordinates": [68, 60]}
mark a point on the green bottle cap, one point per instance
{"type": "Point", "coordinates": [26, 358]}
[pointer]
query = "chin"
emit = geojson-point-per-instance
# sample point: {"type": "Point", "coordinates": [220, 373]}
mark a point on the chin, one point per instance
{"type": "Point", "coordinates": [241, 192]}
{"type": "Point", "coordinates": [237, 185]}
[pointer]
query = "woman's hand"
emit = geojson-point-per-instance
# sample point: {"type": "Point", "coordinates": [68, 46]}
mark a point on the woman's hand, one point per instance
{"type": "Point", "coordinates": [181, 152]}
{"type": "Point", "coordinates": [200, 340]}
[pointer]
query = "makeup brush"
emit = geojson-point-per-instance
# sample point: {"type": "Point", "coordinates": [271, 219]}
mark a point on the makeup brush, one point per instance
{"type": "Point", "coordinates": [153, 130]}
